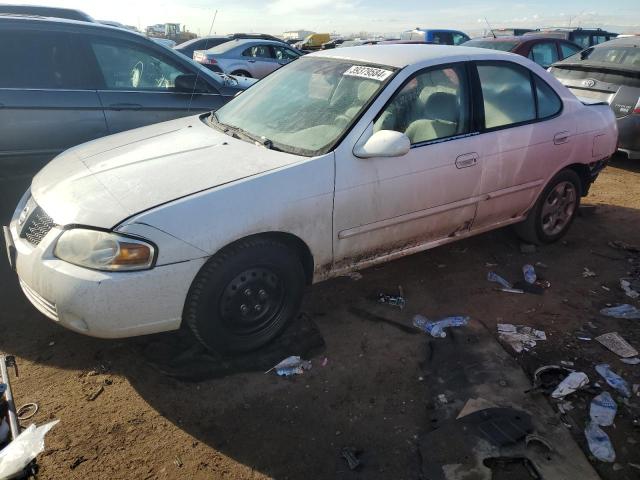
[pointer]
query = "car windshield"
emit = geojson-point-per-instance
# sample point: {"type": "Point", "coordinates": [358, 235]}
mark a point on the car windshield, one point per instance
{"type": "Point", "coordinates": [504, 46]}
{"type": "Point", "coordinates": [629, 56]}
{"type": "Point", "coordinates": [305, 107]}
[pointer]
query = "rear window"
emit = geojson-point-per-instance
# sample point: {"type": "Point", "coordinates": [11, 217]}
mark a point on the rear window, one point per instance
{"type": "Point", "coordinates": [42, 60]}
{"type": "Point", "coordinates": [627, 56]}
{"type": "Point", "coordinates": [580, 72]}
{"type": "Point", "coordinates": [506, 46]}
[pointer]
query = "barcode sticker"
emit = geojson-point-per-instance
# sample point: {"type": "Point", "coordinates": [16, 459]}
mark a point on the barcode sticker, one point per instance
{"type": "Point", "coordinates": [372, 73]}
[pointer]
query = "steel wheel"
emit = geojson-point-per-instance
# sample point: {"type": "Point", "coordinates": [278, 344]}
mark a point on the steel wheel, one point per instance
{"type": "Point", "coordinates": [252, 300]}
{"type": "Point", "coordinates": [558, 208]}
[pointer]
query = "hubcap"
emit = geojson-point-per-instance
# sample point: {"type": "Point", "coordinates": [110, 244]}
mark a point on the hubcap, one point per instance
{"type": "Point", "coordinates": [558, 208]}
{"type": "Point", "coordinates": [252, 300]}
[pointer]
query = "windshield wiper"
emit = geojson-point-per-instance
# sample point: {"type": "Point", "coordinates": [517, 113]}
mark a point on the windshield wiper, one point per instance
{"type": "Point", "coordinates": [238, 132]}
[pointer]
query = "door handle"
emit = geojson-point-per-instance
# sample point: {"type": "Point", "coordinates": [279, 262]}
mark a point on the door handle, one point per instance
{"type": "Point", "coordinates": [251, 61]}
{"type": "Point", "coordinates": [560, 138]}
{"type": "Point", "coordinates": [467, 160]}
{"type": "Point", "coordinates": [125, 106]}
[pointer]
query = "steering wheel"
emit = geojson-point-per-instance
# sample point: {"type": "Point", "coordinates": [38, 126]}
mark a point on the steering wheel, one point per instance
{"type": "Point", "coordinates": [136, 74]}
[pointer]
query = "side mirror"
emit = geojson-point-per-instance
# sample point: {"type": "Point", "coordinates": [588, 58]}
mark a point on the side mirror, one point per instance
{"type": "Point", "coordinates": [187, 83]}
{"type": "Point", "coordinates": [384, 143]}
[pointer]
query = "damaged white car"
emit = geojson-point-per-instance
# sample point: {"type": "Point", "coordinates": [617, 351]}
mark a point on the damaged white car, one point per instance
{"type": "Point", "coordinates": [341, 160]}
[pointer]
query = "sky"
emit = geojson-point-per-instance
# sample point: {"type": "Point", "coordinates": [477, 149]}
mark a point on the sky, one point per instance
{"type": "Point", "coordinates": [350, 16]}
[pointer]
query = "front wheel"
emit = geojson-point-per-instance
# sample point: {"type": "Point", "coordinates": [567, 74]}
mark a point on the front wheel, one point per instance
{"type": "Point", "coordinates": [554, 212]}
{"type": "Point", "coordinates": [244, 296]}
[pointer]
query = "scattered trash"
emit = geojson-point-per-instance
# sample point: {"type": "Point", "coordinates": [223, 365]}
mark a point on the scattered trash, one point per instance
{"type": "Point", "coordinates": [442, 399]}
{"type": "Point", "coordinates": [624, 311]}
{"type": "Point", "coordinates": [566, 363]}
{"type": "Point", "coordinates": [618, 345]}
{"type": "Point", "coordinates": [529, 288]}
{"type": "Point", "coordinates": [614, 380]}
{"type": "Point", "coordinates": [436, 328]}
{"type": "Point", "coordinates": [605, 288]}
{"type": "Point", "coordinates": [490, 265]}
{"type": "Point", "coordinates": [494, 277]}
{"type": "Point", "coordinates": [630, 292]}
{"type": "Point", "coordinates": [529, 274]}
{"type": "Point", "coordinates": [16, 456]}
{"type": "Point", "coordinates": [636, 389]}
{"type": "Point", "coordinates": [520, 337]}
{"type": "Point", "coordinates": [546, 284]}
{"type": "Point", "coordinates": [512, 290]}
{"type": "Point", "coordinates": [393, 300]}
{"type": "Point", "coordinates": [178, 462]}
{"type": "Point", "coordinates": [351, 456]}
{"type": "Point", "coordinates": [586, 273]}
{"type": "Point", "coordinates": [630, 361]}
{"type": "Point", "coordinates": [599, 443]}
{"type": "Point", "coordinates": [634, 465]}
{"type": "Point", "coordinates": [574, 381]}
{"type": "Point", "coordinates": [527, 248]}
{"type": "Point", "coordinates": [325, 360]}
{"type": "Point", "coordinates": [532, 437]}
{"type": "Point", "coordinates": [583, 337]}
{"type": "Point", "coordinates": [541, 265]}
{"type": "Point", "coordinates": [96, 393]}
{"type": "Point", "coordinates": [27, 411]}
{"type": "Point", "coordinates": [51, 344]}
{"type": "Point", "coordinates": [603, 409]}
{"type": "Point", "coordinates": [565, 406]}
{"type": "Point", "coordinates": [293, 365]}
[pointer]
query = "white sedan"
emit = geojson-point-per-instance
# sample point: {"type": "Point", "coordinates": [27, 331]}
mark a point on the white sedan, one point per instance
{"type": "Point", "coordinates": [341, 160]}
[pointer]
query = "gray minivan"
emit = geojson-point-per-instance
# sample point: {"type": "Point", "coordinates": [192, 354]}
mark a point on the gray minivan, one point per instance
{"type": "Point", "coordinates": [65, 82]}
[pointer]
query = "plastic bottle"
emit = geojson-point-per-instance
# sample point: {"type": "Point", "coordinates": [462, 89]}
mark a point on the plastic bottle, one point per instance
{"type": "Point", "coordinates": [494, 277]}
{"type": "Point", "coordinates": [529, 274]}
{"type": "Point", "coordinates": [614, 380]}
{"type": "Point", "coordinates": [436, 328]}
{"type": "Point", "coordinates": [622, 311]}
{"type": "Point", "coordinates": [599, 443]}
{"type": "Point", "coordinates": [603, 409]}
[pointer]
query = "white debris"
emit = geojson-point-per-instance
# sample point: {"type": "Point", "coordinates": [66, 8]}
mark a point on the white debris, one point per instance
{"type": "Point", "coordinates": [520, 337]}
{"type": "Point", "coordinates": [574, 381]}
{"type": "Point", "coordinates": [618, 345]}
{"type": "Point", "coordinates": [630, 292]}
{"type": "Point", "coordinates": [586, 273]}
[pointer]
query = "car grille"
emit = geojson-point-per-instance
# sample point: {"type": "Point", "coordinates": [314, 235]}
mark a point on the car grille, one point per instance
{"type": "Point", "coordinates": [38, 224]}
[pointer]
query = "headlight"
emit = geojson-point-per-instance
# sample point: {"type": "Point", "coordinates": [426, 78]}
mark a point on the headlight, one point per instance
{"type": "Point", "coordinates": [104, 250]}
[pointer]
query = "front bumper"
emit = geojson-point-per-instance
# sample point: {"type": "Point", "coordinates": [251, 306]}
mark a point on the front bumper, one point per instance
{"type": "Point", "coordinates": [97, 303]}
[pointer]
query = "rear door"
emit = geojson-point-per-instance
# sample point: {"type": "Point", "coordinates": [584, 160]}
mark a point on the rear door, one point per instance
{"type": "Point", "coordinates": [48, 103]}
{"type": "Point", "coordinates": [137, 83]}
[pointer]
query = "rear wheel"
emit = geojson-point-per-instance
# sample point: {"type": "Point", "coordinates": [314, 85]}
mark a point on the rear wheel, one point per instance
{"type": "Point", "coordinates": [245, 295]}
{"type": "Point", "coordinates": [554, 212]}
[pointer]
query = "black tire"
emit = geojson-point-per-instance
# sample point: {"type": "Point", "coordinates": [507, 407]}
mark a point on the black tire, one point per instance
{"type": "Point", "coordinates": [222, 304]}
{"type": "Point", "coordinates": [536, 228]}
{"type": "Point", "coordinates": [241, 73]}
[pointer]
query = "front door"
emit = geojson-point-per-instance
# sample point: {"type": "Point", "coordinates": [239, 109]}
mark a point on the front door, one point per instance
{"type": "Point", "coordinates": [385, 205]}
{"type": "Point", "coordinates": [138, 84]}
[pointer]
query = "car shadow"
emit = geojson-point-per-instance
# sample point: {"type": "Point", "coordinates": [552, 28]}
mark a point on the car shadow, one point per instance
{"type": "Point", "coordinates": [621, 161]}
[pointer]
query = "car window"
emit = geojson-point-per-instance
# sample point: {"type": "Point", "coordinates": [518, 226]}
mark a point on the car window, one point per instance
{"type": "Point", "coordinates": [568, 50]}
{"type": "Point", "coordinates": [418, 36]}
{"type": "Point", "coordinates": [549, 104]}
{"type": "Point", "coordinates": [432, 105]}
{"type": "Point", "coordinates": [459, 39]}
{"type": "Point", "coordinates": [443, 38]}
{"type": "Point", "coordinates": [581, 39]}
{"type": "Point", "coordinates": [544, 53]}
{"type": "Point", "coordinates": [507, 94]}
{"type": "Point", "coordinates": [42, 60]}
{"type": "Point", "coordinates": [134, 67]}
{"type": "Point", "coordinates": [258, 51]}
{"type": "Point", "coordinates": [283, 53]}
{"type": "Point", "coordinates": [599, 39]}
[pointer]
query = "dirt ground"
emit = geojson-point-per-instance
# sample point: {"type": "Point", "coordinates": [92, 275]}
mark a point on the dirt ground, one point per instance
{"type": "Point", "coordinates": [371, 394]}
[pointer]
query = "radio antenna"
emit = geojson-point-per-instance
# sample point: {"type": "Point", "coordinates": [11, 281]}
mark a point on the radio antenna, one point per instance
{"type": "Point", "coordinates": [490, 29]}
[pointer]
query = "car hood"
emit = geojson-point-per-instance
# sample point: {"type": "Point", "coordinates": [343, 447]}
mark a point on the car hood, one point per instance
{"type": "Point", "coordinates": [103, 182]}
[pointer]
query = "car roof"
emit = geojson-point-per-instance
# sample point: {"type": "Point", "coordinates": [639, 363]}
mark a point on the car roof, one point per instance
{"type": "Point", "coordinates": [401, 55]}
{"type": "Point", "coordinates": [231, 44]}
{"type": "Point", "coordinates": [34, 21]}
{"type": "Point", "coordinates": [504, 38]}
{"type": "Point", "coordinates": [621, 42]}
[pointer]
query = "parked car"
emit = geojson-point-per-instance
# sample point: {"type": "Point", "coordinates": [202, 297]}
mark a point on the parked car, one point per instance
{"type": "Point", "coordinates": [510, 32]}
{"type": "Point", "coordinates": [336, 42]}
{"type": "Point", "coordinates": [584, 37]}
{"type": "Point", "coordinates": [89, 80]}
{"type": "Point", "coordinates": [542, 50]}
{"type": "Point", "coordinates": [204, 43]}
{"type": "Point", "coordinates": [54, 12]}
{"type": "Point", "coordinates": [341, 160]}
{"type": "Point", "coordinates": [609, 72]}
{"type": "Point", "coordinates": [313, 41]}
{"type": "Point", "coordinates": [165, 42]}
{"type": "Point", "coordinates": [441, 37]}
{"type": "Point", "coordinates": [247, 58]}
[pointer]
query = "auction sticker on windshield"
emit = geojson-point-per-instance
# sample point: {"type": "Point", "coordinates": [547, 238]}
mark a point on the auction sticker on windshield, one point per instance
{"type": "Point", "coordinates": [371, 73]}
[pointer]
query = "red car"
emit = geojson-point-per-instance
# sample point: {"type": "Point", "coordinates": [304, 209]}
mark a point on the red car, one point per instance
{"type": "Point", "coordinates": [542, 50]}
